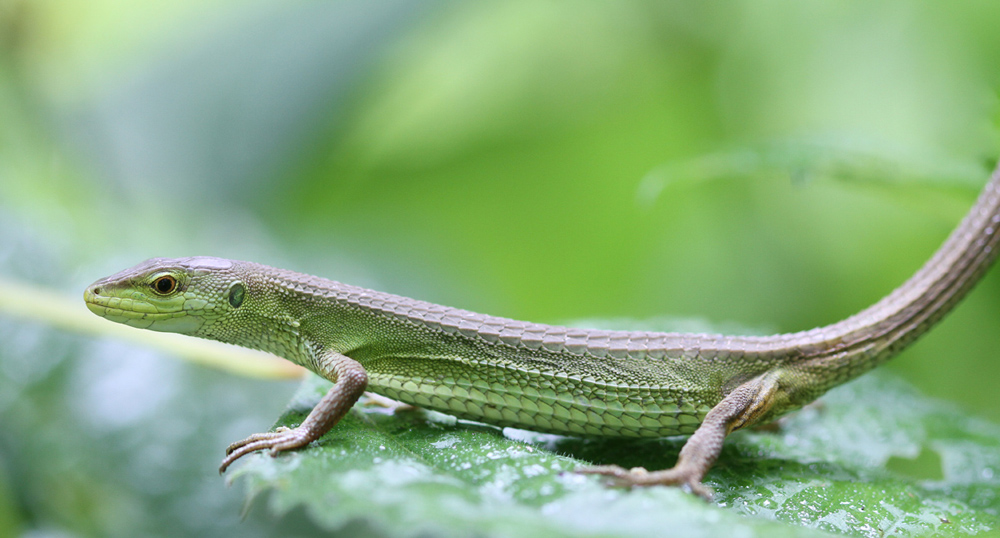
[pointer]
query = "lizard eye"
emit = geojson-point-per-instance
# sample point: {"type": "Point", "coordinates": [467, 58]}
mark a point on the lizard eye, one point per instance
{"type": "Point", "coordinates": [165, 285]}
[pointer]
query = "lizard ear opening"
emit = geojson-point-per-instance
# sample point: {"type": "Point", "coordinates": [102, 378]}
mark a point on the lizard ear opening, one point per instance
{"type": "Point", "coordinates": [237, 291]}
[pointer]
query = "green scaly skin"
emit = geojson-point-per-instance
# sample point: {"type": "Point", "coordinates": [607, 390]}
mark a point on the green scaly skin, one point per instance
{"type": "Point", "coordinates": [538, 377]}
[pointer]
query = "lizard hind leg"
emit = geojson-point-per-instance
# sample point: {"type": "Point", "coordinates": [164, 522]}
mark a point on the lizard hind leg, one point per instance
{"type": "Point", "coordinates": [742, 407]}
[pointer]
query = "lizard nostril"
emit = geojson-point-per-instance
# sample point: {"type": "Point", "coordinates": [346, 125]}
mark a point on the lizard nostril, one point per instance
{"type": "Point", "coordinates": [97, 291]}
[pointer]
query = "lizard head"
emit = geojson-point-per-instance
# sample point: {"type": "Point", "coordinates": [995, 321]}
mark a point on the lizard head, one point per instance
{"type": "Point", "coordinates": [183, 295]}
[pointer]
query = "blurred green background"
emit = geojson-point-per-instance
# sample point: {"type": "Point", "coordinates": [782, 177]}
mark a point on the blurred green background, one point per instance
{"type": "Point", "coordinates": [773, 165]}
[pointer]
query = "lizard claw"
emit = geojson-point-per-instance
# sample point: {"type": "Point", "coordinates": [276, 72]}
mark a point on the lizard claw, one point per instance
{"type": "Point", "coordinates": [281, 439]}
{"type": "Point", "coordinates": [640, 477]}
{"type": "Point", "coordinates": [617, 476]}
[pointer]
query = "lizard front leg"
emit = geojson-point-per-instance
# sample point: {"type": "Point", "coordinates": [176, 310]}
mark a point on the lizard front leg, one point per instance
{"type": "Point", "coordinates": [350, 383]}
{"type": "Point", "coordinates": [741, 407]}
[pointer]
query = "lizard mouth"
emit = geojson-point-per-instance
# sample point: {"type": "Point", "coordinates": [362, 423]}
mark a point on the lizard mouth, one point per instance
{"type": "Point", "coordinates": [137, 313]}
{"type": "Point", "coordinates": [117, 309]}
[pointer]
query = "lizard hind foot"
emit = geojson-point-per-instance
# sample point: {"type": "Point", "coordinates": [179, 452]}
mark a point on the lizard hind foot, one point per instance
{"type": "Point", "coordinates": [281, 439]}
{"type": "Point", "coordinates": [639, 477]}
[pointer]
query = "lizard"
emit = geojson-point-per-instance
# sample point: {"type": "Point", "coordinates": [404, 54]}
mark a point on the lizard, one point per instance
{"type": "Point", "coordinates": [546, 378]}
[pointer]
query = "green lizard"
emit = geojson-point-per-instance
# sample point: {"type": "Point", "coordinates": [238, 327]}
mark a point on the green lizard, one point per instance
{"type": "Point", "coordinates": [538, 377]}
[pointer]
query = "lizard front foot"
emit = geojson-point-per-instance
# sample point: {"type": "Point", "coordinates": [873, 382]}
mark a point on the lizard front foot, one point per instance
{"type": "Point", "coordinates": [350, 385]}
{"type": "Point", "coordinates": [638, 476]}
{"type": "Point", "coordinates": [279, 440]}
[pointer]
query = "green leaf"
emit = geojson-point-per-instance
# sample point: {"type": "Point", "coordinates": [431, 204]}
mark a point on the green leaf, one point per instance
{"type": "Point", "coordinates": [874, 459]}
{"type": "Point", "coordinates": [803, 159]}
